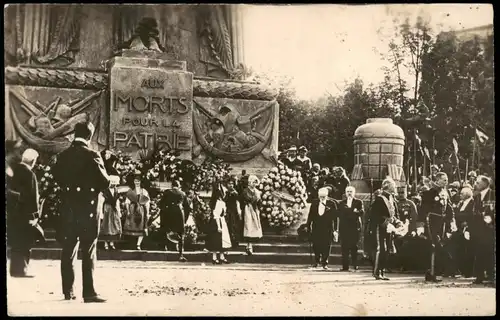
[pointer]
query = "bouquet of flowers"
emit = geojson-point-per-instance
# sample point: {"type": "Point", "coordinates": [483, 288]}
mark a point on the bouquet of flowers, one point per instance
{"type": "Point", "coordinates": [190, 234]}
{"type": "Point", "coordinates": [49, 195]}
{"type": "Point", "coordinates": [210, 171]}
{"type": "Point", "coordinates": [201, 214]}
{"type": "Point", "coordinates": [283, 196]}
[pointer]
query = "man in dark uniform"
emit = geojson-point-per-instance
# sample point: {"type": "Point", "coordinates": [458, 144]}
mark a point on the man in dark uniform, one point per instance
{"type": "Point", "coordinates": [437, 216]}
{"type": "Point", "coordinates": [174, 211]}
{"type": "Point", "coordinates": [483, 230]}
{"type": "Point", "coordinates": [321, 223]}
{"type": "Point", "coordinates": [81, 174]}
{"type": "Point", "coordinates": [24, 216]}
{"type": "Point", "coordinates": [406, 245]}
{"type": "Point", "coordinates": [338, 181]}
{"type": "Point", "coordinates": [383, 216]}
{"type": "Point", "coordinates": [350, 213]}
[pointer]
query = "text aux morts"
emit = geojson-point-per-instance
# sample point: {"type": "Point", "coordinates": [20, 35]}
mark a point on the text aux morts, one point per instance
{"type": "Point", "coordinates": [154, 114]}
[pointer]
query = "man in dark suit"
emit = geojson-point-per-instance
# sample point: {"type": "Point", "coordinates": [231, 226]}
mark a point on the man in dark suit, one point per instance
{"type": "Point", "coordinates": [174, 211]}
{"type": "Point", "coordinates": [437, 219]}
{"type": "Point", "coordinates": [350, 212]}
{"type": "Point", "coordinates": [383, 216]}
{"type": "Point", "coordinates": [338, 180]}
{"type": "Point", "coordinates": [81, 174]}
{"type": "Point", "coordinates": [321, 223]}
{"type": "Point", "coordinates": [24, 215]}
{"type": "Point", "coordinates": [483, 230]}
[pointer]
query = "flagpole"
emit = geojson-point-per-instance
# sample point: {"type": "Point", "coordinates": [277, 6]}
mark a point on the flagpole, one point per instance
{"type": "Point", "coordinates": [474, 149]}
{"type": "Point", "coordinates": [424, 169]}
{"type": "Point", "coordinates": [466, 169]}
{"type": "Point", "coordinates": [433, 147]}
{"type": "Point", "coordinates": [415, 172]}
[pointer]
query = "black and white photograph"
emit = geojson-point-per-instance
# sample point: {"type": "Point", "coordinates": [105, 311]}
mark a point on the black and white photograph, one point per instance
{"type": "Point", "coordinates": [238, 160]}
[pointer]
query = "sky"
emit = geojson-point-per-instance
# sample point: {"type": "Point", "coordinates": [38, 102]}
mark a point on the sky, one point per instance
{"type": "Point", "coordinates": [324, 46]}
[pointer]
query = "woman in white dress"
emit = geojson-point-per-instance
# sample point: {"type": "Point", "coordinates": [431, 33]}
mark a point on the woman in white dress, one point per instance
{"type": "Point", "coordinates": [218, 240]}
{"type": "Point", "coordinates": [252, 229]}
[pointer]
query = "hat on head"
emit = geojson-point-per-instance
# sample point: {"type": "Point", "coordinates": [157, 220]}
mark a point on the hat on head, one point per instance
{"type": "Point", "coordinates": [435, 166]}
{"type": "Point", "coordinates": [472, 174]}
{"type": "Point", "coordinates": [303, 148]}
{"type": "Point", "coordinates": [292, 148]}
{"type": "Point", "coordinates": [455, 185]}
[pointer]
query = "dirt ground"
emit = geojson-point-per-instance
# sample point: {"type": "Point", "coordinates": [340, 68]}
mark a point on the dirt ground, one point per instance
{"type": "Point", "coordinates": [174, 289]}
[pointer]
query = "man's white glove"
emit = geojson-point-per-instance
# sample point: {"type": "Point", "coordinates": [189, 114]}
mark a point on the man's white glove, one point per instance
{"type": "Point", "coordinates": [390, 228]}
{"type": "Point", "coordinates": [487, 219]}
{"type": "Point", "coordinates": [114, 180]}
{"type": "Point", "coordinates": [420, 230]}
{"type": "Point", "coordinates": [467, 235]}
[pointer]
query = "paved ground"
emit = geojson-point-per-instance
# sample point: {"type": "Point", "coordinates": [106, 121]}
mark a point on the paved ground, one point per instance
{"type": "Point", "coordinates": [172, 289]}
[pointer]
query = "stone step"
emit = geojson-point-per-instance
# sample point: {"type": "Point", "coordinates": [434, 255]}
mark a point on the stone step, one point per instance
{"type": "Point", "coordinates": [268, 237]}
{"type": "Point", "coordinates": [192, 256]}
{"type": "Point", "coordinates": [200, 246]}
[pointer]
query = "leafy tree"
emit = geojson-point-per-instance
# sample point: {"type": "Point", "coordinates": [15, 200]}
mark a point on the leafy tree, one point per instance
{"type": "Point", "coordinates": [457, 87]}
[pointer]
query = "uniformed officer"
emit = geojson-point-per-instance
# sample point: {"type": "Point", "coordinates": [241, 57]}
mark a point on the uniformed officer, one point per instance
{"type": "Point", "coordinates": [383, 216]}
{"type": "Point", "coordinates": [81, 174]}
{"type": "Point", "coordinates": [437, 220]}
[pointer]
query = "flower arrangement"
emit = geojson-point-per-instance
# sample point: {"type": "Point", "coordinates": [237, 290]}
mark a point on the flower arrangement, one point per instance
{"type": "Point", "coordinates": [283, 197]}
{"type": "Point", "coordinates": [49, 191]}
{"type": "Point", "coordinates": [210, 171]}
{"type": "Point", "coordinates": [201, 214]}
{"type": "Point", "coordinates": [190, 234]}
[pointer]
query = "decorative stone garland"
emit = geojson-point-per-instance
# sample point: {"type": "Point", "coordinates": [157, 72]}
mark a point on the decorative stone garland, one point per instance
{"type": "Point", "coordinates": [98, 80]}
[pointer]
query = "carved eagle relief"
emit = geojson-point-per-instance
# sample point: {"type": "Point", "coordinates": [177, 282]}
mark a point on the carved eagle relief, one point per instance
{"type": "Point", "coordinates": [230, 133]}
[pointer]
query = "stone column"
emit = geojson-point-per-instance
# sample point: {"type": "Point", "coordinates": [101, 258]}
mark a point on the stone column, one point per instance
{"type": "Point", "coordinates": [235, 18]}
{"type": "Point", "coordinates": [151, 104]}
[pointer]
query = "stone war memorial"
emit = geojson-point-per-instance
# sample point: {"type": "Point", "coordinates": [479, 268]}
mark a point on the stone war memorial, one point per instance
{"type": "Point", "coordinates": [147, 76]}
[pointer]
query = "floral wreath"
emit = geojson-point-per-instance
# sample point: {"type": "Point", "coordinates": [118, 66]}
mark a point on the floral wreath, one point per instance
{"type": "Point", "coordinates": [283, 197]}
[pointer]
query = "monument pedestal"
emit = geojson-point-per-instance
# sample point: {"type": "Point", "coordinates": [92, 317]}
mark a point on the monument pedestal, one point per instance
{"type": "Point", "coordinates": [151, 104]}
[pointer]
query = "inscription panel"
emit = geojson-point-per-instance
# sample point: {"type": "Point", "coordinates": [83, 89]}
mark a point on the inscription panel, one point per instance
{"type": "Point", "coordinates": [150, 108]}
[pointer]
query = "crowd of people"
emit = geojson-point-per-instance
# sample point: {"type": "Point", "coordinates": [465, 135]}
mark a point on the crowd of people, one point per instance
{"type": "Point", "coordinates": [449, 226]}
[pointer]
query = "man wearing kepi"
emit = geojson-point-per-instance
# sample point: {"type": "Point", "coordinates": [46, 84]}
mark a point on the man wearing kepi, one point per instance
{"type": "Point", "coordinates": [383, 216]}
{"type": "Point", "coordinates": [81, 174]}
{"type": "Point", "coordinates": [321, 223]}
{"type": "Point", "coordinates": [437, 217]}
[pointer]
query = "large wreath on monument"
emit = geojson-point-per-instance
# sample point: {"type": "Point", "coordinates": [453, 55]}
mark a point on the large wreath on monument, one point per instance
{"type": "Point", "coordinates": [283, 197]}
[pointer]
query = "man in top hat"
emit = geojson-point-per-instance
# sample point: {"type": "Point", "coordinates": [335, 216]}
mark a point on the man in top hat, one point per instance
{"type": "Point", "coordinates": [24, 216]}
{"type": "Point", "coordinates": [321, 223]}
{"type": "Point", "coordinates": [437, 219]}
{"type": "Point", "coordinates": [81, 174]}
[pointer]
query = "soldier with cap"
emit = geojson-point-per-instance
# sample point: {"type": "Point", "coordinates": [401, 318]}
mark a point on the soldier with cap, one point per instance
{"type": "Point", "coordinates": [437, 219]}
{"type": "Point", "coordinates": [383, 216]}
{"type": "Point", "coordinates": [81, 174]}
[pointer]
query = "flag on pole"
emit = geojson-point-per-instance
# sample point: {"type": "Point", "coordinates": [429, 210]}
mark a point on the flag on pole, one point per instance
{"type": "Point", "coordinates": [427, 153]}
{"type": "Point", "coordinates": [481, 136]}
{"type": "Point", "coordinates": [455, 146]}
{"type": "Point", "coordinates": [419, 142]}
